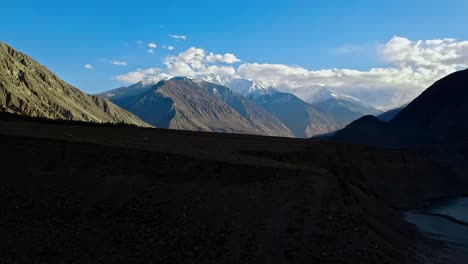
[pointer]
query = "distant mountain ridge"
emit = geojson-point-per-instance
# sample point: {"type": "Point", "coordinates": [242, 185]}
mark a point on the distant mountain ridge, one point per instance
{"type": "Point", "coordinates": [436, 116]}
{"type": "Point", "coordinates": [343, 108]}
{"type": "Point", "coordinates": [390, 114]}
{"type": "Point", "coordinates": [257, 116]}
{"type": "Point", "coordinates": [303, 119]}
{"type": "Point", "coordinates": [266, 110]}
{"type": "Point", "coordinates": [134, 89]}
{"type": "Point", "coordinates": [186, 104]}
{"type": "Point", "coordinates": [277, 111]}
{"type": "Point", "coordinates": [30, 89]}
{"type": "Point", "coordinates": [239, 85]}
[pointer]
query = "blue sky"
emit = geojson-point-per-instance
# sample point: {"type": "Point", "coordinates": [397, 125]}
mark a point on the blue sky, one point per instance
{"type": "Point", "coordinates": [66, 35]}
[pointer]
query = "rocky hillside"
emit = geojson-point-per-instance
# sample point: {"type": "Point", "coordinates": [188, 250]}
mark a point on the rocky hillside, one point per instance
{"type": "Point", "coordinates": [259, 118]}
{"type": "Point", "coordinates": [303, 119]}
{"type": "Point", "coordinates": [182, 104]}
{"type": "Point", "coordinates": [30, 89]}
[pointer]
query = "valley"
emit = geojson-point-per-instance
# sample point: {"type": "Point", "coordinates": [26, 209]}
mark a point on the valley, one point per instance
{"type": "Point", "coordinates": [72, 191]}
{"type": "Point", "coordinates": [221, 169]}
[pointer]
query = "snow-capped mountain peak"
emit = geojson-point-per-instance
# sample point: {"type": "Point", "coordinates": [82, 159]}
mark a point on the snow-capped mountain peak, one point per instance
{"type": "Point", "coordinates": [325, 94]}
{"type": "Point", "coordinates": [216, 78]}
{"type": "Point", "coordinates": [154, 79]}
{"type": "Point", "coordinates": [237, 84]}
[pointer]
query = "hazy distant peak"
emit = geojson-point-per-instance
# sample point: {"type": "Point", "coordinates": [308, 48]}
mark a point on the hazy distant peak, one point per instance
{"type": "Point", "coordinates": [324, 94]}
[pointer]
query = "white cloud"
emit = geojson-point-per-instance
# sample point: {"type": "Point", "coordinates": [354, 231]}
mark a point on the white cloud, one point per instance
{"type": "Point", "coordinates": [88, 66]}
{"type": "Point", "coordinates": [226, 58]}
{"type": "Point", "coordinates": [295, 76]}
{"type": "Point", "coordinates": [413, 66]}
{"type": "Point", "coordinates": [437, 54]}
{"type": "Point", "coordinates": [170, 48]}
{"type": "Point", "coordinates": [116, 62]}
{"type": "Point", "coordinates": [195, 61]}
{"type": "Point", "coordinates": [381, 87]}
{"type": "Point", "coordinates": [183, 37]}
{"type": "Point", "coordinates": [138, 75]}
{"type": "Point", "coordinates": [152, 45]}
{"type": "Point", "coordinates": [151, 51]}
{"type": "Point", "coordinates": [119, 63]}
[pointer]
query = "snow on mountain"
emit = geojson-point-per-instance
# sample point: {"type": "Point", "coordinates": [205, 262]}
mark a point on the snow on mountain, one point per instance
{"type": "Point", "coordinates": [324, 94]}
{"type": "Point", "coordinates": [136, 88]}
{"type": "Point", "coordinates": [152, 80]}
{"type": "Point", "coordinates": [382, 99]}
{"type": "Point", "coordinates": [342, 107]}
{"type": "Point", "coordinates": [239, 85]}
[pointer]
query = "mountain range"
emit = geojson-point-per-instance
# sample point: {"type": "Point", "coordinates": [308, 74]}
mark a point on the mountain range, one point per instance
{"type": "Point", "coordinates": [28, 88]}
{"type": "Point", "coordinates": [302, 118]}
{"type": "Point", "coordinates": [214, 186]}
{"type": "Point", "coordinates": [213, 103]}
{"type": "Point", "coordinates": [435, 117]}
{"type": "Point", "coordinates": [342, 107]}
{"type": "Point", "coordinates": [327, 110]}
{"type": "Point", "coordinates": [120, 194]}
{"type": "Point", "coordinates": [266, 110]}
{"type": "Point", "coordinates": [182, 103]}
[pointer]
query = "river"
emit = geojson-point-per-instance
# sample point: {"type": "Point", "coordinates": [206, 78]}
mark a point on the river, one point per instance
{"type": "Point", "coordinates": [446, 220]}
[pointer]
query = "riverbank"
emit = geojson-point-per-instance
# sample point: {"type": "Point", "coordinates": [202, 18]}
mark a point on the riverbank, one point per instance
{"type": "Point", "coordinates": [445, 221]}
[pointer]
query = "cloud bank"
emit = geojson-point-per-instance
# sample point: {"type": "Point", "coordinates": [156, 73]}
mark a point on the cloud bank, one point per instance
{"type": "Point", "coordinates": [412, 67]}
{"type": "Point", "coordinates": [195, 61]}
{"type": "Point", "coordinates": [138, 75]}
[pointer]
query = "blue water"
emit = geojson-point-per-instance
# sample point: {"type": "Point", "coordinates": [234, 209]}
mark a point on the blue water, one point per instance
{"type": "Point", "coordinates": [457, 209]}
{"type": "Point", "coordinates": [443, 228]}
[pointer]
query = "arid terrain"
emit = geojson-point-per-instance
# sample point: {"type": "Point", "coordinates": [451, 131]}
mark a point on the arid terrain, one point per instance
{"type": "Point", "coordinates": [234, 132]}
{"type": "Point", "coordinates": [78, 193]}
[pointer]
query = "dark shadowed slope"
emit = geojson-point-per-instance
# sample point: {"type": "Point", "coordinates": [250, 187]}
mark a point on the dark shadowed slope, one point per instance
{"type": "Point", "coordinates": [28, 88]}
{"type": "Point", "coordinates": [390, 114]}
{"type": "Point", "coordinates": [437, 116]}
{"type": "Point", "coordinates": [440, 112]}
{"type": "Point", "coordinates": [302, 118]}
{"type": "Point", "coordinates": [88, 194]}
